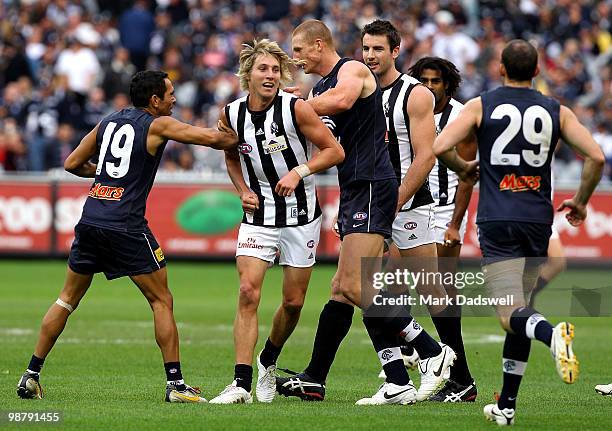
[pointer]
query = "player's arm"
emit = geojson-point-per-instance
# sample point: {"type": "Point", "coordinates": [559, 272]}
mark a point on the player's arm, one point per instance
{"type": "Point", "coordinates": [348, 89]}
{"type": "Point", "coordinates": [467, 151]}
{"type": "Point", "coordinates": [456, 132]}
{"type": "Point", "coordinates": [167, 127]}
{"type": "Point", "coordinates": [422, 134]}
{"type": "Point", "coordinates": [581, 141]}
{"type": "Point", "coordinates": [250, 201]}
{"type": "Point", "coordinates": [77, 162]}
{"type": "Point", "coordinates": [330, 151]}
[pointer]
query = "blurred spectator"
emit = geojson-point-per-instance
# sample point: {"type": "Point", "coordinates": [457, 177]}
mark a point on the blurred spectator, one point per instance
{"type": "Point", "coordinates": [119, 74]}
{"type": "Point", "coordinates": [449, 43]}
{"type": "Point", "coordinates": [13, 62]}
{"type": "Point", "coordinates": [11, 146]}
{"type": "Point", "coordinates": [136, 26]}
{"type": "Point", "coordinates": [79, 65]}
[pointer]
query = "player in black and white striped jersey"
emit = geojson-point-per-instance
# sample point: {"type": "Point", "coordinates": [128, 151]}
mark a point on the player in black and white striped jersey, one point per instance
{"type": "Point", "coordinates": [451, 201]}
{"type": "Point", "coordinates": [271, 169]}
{"type": "Point", "coordinates": [408, 108]}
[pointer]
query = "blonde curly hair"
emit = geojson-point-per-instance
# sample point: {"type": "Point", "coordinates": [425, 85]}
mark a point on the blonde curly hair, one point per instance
{"type": "Point", "coordinates": [249, 54]}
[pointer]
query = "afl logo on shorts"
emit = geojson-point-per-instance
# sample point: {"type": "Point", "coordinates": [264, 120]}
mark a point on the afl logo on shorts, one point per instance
{"type": "Point", "coordinates": [245, 148]}
{"type": "Point", "coordinates": [310, 243]}
{"type": "Point", "coordinates": [410, 225]}
{"type": "Point", "coordinates": [360, 216]}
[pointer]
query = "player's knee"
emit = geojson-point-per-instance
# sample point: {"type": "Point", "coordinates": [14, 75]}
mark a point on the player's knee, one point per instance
{"type": "Point", "coordinates": [249, 294]}
{"type": "Point", "coordinates": [293, 306]}
{"type": "Point", "coordinates": [504, 322]}
{"type": "Point", "coordinates": [335, 286]}
{"type": "Point", "coordinates": [559, 264]}
{"type": "Point", "coordinates": [164, 300]}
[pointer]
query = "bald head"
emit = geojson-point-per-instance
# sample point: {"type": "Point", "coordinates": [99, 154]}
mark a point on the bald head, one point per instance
{"type": "Point", "coordinates": [313, 29]}
{"type": "Point", "coordinates": [520, 59]}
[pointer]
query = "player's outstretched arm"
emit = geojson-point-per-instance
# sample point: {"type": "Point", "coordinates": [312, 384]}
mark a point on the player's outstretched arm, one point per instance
{"type": "Point", "coordinates": [456, 132]}
{"type": "Point", "coordinates": [250, 201]}
{"type": "Point", "coordinates": [422, 134]}
{"type": "Point", "coordinates": [579, 138]}
{"type": "Point", "coordinates": [167, 127]}
{"type": "Point", "coordinates": [330, 151]}
{"type": "Point", "coordinates": [350, 86]}
{"type": "Point", "coordinates": [467, 151]}
{"type": "Point", "coordinates": [77, 162]}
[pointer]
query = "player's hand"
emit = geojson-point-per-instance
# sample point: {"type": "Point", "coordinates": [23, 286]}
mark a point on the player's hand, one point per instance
{"type": "Point", "coordinates": [471, 173]}
{"type": "Point", "coordinates": [250, 201]}
{"type": "Point", "coordinates": [228, 138]}
{"type": "Point", "coordinates": [402, 198]}
{"type": "Point", "coordinates": [577, 212]}
{"type": "Point", "coordinates": [287, 184]}
{"type": "Point", "coordinates": [335, 227]}
{"type": "Point", "coordinates": [293, 90]}
{"type": "Point", "coordinates": [451, 237]}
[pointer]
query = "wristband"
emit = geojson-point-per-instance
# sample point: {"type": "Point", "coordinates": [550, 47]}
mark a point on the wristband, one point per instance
{"type": "Point", "coordinates": [302, 170]}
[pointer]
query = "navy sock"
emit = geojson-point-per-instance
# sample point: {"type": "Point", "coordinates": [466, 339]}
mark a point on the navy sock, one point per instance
{"type": "Point", "coordinates": [243, 374]}
{"type": "Point", "coordinates": [269, 354]}
{"type": "Point", "coordinates": [448, 325]}
{"type": "Point", "coordinates": [528, 322]}
{"type": "Point", "coordinates": [516, 355]}
{"type": "Point", "coordinates": [174, 375]}
{"type": "Point", "coordinates": [36, 364]}
{"type": "Point", "coordinates": [426, 346]}
{"type": "Point", "coordinates": [388, 351]}
{"type": "Point", "coordinates": [334, 323]}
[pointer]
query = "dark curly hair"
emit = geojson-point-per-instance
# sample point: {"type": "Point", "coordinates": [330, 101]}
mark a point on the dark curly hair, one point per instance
{"type": "Point", "coordinates": [449, 72]}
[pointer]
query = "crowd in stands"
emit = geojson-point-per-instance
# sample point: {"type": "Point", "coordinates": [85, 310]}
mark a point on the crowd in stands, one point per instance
{"type": "Point", "coordinates": [64, 64]}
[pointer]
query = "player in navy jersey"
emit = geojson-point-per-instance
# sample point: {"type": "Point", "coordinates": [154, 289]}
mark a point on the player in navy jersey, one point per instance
{"type": "Point", "coordinates": [271, 169]}
{"type": "Point", "coordinates": [517, 130]}
{"type": "Point", "coordinates": [349, 96]}
{"type": "Point", "coordinates": [408, 108]}
{"type": "Point", "coordinates": [113, 236]}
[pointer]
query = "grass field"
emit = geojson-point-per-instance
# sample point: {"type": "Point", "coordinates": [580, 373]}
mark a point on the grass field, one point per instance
{"type": "Point", "coordinates": [106, 372]}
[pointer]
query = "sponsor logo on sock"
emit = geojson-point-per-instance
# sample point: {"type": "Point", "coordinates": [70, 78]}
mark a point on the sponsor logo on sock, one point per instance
{"type": "Point", "coordinates": [509, 365]}
{"type": "Point", "coordinates": [386, 354]}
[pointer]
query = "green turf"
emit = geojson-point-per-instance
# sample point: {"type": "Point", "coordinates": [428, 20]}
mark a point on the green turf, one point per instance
{"type": "Point", "coordinates": [106, 373]}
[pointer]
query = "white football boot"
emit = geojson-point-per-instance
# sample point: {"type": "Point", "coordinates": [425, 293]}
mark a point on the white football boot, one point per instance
{"type": "Point", "coordinates": [189, 395]}
{"type": "Point", "coordinates": [233, 394]}
{"type": "Point", "coordinates": [390, 393]}
{"type": "Point", "coordinates": [604, 389]}
{"type": "Point", "coordinates": [266, 382]}
{"type": "Point", "coordinates": [433, 371]}
{"type": "Point", "coordinates": [561, 349]}
{"type": "Point", "coordinates": [503, 417]}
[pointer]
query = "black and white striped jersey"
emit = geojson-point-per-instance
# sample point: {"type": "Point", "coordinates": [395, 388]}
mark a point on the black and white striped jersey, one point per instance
{"type": "Point", "coordinates": [443, 181]}
{"type": "Point", "coordinates": [271, 144]}
{"type": "Point", "coordinates": [395, 97]}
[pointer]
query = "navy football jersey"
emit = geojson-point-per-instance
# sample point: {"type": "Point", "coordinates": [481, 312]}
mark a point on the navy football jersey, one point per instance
{"type": "Point", "coordinates": [516, 141]}
{"type": "Point", "coordinates": [361, 131]}
{"type": "Point", "coordinates": [125, 172]}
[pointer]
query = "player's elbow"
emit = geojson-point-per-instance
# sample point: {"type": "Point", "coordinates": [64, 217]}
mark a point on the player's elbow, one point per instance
{"type": "Point", "coordinates": [438, 147]}
{"type": "Point", "coordinates": [71, 165]}
{"type": "Point", "coordinates": [338, 155]}
{"type": "Point", "coordinates": [598, 159]}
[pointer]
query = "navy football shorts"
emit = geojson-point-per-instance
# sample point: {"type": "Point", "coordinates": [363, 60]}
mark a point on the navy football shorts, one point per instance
{"type": "Point", "coordinates": [114, 253]}
{"type": "Point", "coordinates": [501, 240]}
{"type": "Point", "coordinates": [368, 207]}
